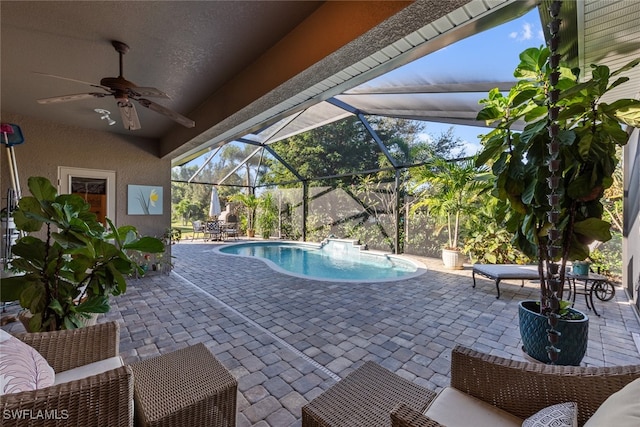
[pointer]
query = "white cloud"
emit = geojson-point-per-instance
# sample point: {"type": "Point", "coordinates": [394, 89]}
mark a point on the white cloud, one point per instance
{"type": "Point", "coordinates": [424, 137]}
{"type": "Point", "coordinates": [525, 33]}
{"type": "Point", "coordinates": [467, 148]}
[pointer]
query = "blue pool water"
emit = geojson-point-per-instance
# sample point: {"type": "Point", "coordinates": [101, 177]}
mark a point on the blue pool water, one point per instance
{"type": "Point", "coordinates": [336, 261]}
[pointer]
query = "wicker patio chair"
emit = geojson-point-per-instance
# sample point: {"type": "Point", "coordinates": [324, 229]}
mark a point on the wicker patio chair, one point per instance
{"type": "Point", "coordinates": [99, 400]}
{"type": "Point", "coordinates": [523, 388]}
{"type": "Point", "coordinates": [373, 396]}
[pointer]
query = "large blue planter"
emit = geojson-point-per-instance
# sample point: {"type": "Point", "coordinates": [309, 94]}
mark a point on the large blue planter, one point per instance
{"type": "Point", "coordinates": [533, 331]}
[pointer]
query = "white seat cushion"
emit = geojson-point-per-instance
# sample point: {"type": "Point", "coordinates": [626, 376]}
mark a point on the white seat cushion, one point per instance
{"type": "Point", "coordinates": [454, 408]}
{"type": "Point", "coordinates": [85, 371]}
{"type": "Point", "coordinates": [621, 409]}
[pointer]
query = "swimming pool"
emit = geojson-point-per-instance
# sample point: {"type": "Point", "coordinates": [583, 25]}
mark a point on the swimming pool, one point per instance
{"type": "Point", "coordinates": [336, 260]}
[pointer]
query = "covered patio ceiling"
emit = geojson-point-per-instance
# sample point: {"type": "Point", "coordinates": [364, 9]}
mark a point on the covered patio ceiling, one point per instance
{"type": "Point", "coordinates": [238, 67]}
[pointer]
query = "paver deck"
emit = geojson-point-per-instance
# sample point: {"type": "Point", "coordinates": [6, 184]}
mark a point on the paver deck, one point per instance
{"type": "Point", "coordinates": [287, 339]}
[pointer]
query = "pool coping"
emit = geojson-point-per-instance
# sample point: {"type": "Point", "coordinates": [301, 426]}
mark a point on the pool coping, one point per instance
{"type": "Point", "coordinates": [421, 268]}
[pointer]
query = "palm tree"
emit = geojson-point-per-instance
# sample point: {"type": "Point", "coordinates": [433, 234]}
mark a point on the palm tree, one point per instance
{"type": "Point", "coordinates": [231, 155]}
{"type": "Point", "coordinates": [448, 188]}
{"type": "Point", "coordinates": [250, 202]}
{"type": "Point", "coordinates": [268, 218]}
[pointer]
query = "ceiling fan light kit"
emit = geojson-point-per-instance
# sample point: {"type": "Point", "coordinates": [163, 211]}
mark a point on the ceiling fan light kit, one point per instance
{"type": "Point", "coordinates": [123, 91]}
{"type": "Point", "coordinates": [105, 115]}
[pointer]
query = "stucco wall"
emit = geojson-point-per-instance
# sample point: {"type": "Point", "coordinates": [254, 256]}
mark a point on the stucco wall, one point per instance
{"type": "Point", "coordinates": [631, 237]}
{"type": "Point", "coordinates": [135, 160]}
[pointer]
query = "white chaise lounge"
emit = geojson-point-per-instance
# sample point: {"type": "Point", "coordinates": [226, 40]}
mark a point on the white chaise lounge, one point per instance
{"type": "Point", "coordinates": [500, 272]}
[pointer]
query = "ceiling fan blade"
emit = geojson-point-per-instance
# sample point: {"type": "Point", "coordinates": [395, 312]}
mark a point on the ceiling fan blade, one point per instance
{"type": "Point", "coordinates": [71, 80]}
{"type": "Point", "coordinates": [74, 97]}
{"type": "Point", "coordinates": [129, 115]}
{"type": "Point", "coordinates": [138, 92]}
{"type": "Point", "coordinates": [184, 121]}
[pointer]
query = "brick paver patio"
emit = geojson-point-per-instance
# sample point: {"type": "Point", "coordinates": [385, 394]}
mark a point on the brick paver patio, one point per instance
{"type": "Point", "coordinates": [287, 339]}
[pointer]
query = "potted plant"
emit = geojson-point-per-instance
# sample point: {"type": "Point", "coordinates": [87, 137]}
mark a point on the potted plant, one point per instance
{"type": "Point", "coordinates": [268, 215]}
{"type": "Point", "coordinates": [69, 276]}
{"type": "Point", "coordinates": [448, 190]}
{"type": "Point", "coordinates": [250, 202]}
{"type": "Point", "coordinates": [552, 176]}
{"type": "Point", "coordinates": [581, 268]}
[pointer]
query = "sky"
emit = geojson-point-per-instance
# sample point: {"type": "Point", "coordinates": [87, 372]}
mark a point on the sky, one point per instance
{"type": "Point", "coordinates": [493, 52]}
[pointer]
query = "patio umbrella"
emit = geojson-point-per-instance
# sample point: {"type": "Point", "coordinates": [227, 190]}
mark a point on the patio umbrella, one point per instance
{"type": "Point", "coordinates": [214, 205]}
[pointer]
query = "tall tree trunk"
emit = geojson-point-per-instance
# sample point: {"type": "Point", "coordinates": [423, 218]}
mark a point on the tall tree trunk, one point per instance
{"type": "Point", "coordinates": [457, 227]}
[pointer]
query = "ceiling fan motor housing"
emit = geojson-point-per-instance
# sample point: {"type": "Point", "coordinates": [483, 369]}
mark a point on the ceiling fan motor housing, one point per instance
{"type": "Point", "coordinates": [120, 47]}
{"type": "Point", "coordinates": [117, 83]}
{"type": "Point", "coordinates": [124, 91]}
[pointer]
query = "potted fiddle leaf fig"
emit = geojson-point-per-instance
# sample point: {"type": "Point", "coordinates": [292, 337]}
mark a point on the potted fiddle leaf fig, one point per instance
{"type": "Point", "coordinates": [585, 133]}
{"type": "Point", "coordinates": [72, 264]}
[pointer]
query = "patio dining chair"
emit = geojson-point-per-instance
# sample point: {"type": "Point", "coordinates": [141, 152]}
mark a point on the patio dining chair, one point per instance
{"type": "Point", "coordinates": [198, 228]}
{"type": "Point", "coordinates": [212, 230]}
{"type": "Point", "coordinates": [230, 227]}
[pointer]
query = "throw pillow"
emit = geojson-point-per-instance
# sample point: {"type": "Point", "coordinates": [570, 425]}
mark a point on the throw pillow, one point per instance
{"type": "Point", "coordinates": [22, 368]}
{"type": "Point", "coordinates": [621, 409]}
{"type": "Point", "coordinates": [560, 415]}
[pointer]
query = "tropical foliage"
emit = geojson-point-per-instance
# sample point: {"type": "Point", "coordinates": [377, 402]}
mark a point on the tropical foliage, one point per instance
{"type": "Point", "coordinates": [267, 215]}
{"type": "Point", "coordinates": [487, 240]}
{"type": "Point", "coordinates": [450, 191]}
{"type": "Point", "coordinates": [250, 203]}
{"type": "Point", "coordinates": [344, 149]}
{"type": "Point", "coordinates": [190, 196]}
{"type": "Point", "coordinates": [589, 132]}
{"type": "Point", "coordinates": [73, 271]}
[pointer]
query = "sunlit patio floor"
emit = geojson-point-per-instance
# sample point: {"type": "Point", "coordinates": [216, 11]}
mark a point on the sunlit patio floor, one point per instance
{"type": "Point", "coordinates": [287, 339]}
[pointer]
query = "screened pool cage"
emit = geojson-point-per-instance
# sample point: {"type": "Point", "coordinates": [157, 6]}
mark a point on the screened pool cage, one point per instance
{"type": "Point", "coordinates": [343, 166]}
{"type": "Point", "coordinates": [372, 204]}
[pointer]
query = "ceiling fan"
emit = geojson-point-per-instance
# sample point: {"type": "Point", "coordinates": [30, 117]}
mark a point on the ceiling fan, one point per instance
{"type": "Point", "coordinates": [124, 91]}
